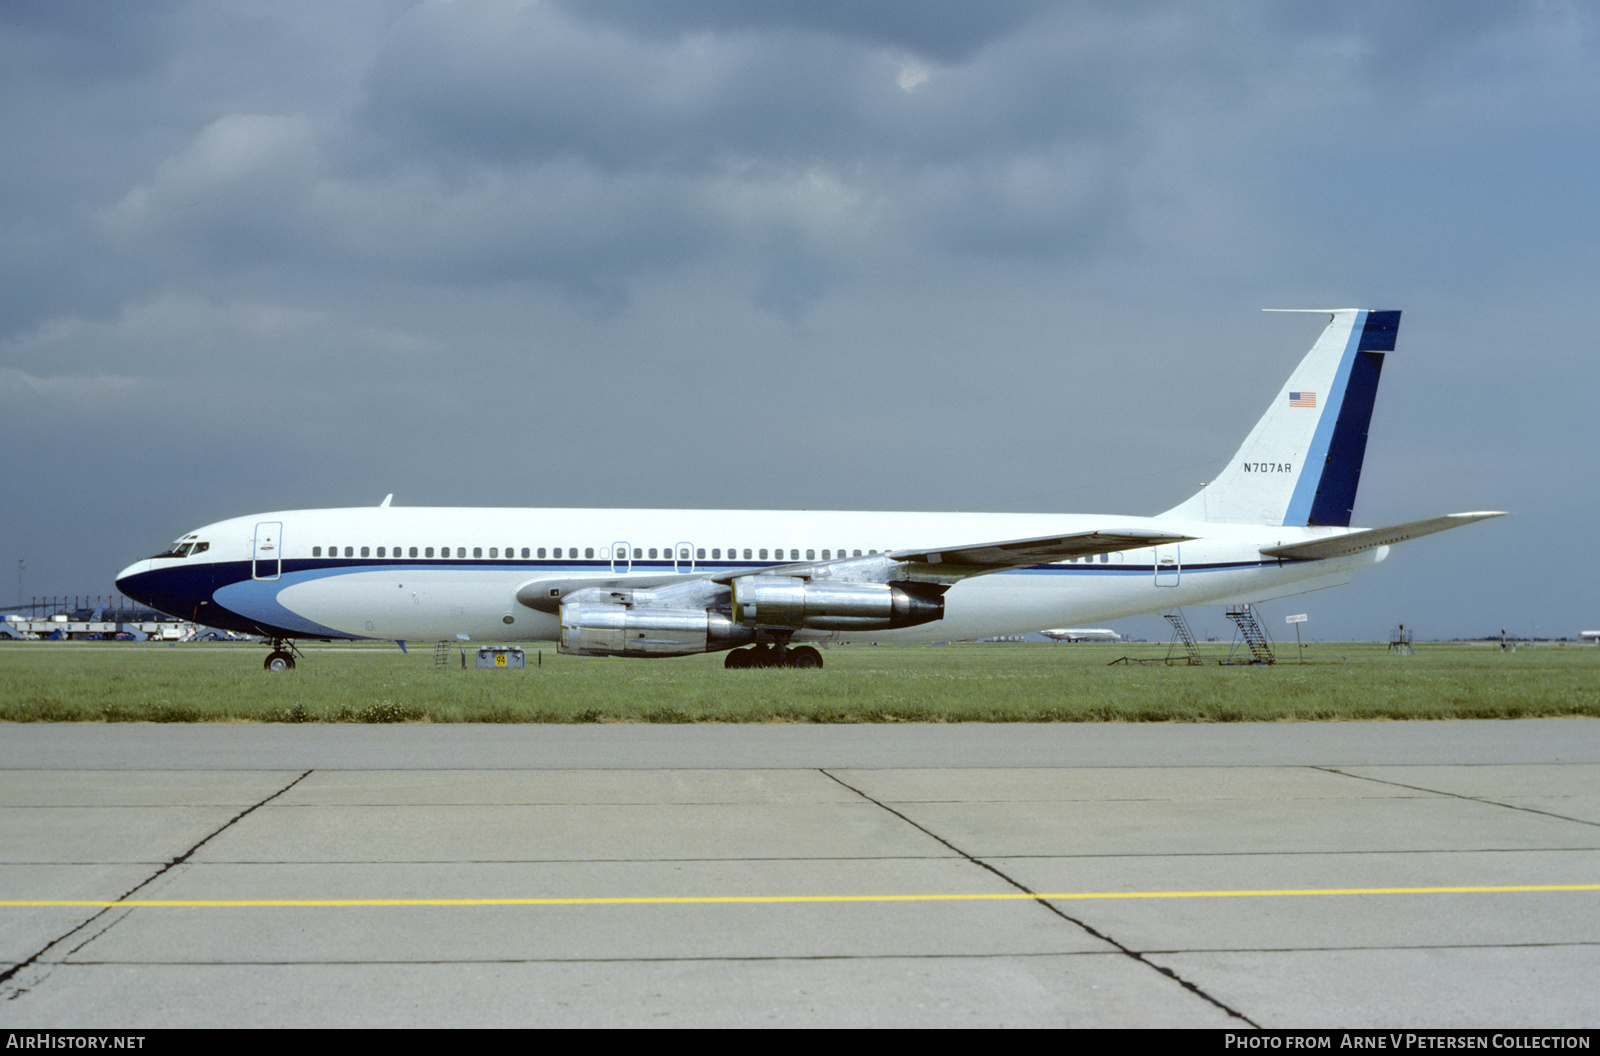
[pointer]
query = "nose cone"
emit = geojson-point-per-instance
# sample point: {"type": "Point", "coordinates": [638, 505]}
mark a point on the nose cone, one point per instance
{"type": "Point", "coordinates": [162, 589]}
{"type": "Point", "coordinates": [125, 577]}
{"type": "Point", "coordinates": [131, 583]}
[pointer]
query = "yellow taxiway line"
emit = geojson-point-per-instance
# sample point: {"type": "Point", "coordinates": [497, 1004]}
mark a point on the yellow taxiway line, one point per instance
{"type": "Point", "coordinates": [678, 900]}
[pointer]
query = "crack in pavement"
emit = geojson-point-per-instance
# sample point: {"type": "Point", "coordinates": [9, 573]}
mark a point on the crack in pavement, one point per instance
{"type": "Point", "coordinates": [10, 993]}
{"type": "Point", "coordinates": [1453, 795]}
{"type": "Point", "coordinates": [1052, 907]}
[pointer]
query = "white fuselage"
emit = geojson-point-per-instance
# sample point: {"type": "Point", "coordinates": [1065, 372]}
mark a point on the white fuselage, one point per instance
{"type": "Point", "coordinates": [419, 573]}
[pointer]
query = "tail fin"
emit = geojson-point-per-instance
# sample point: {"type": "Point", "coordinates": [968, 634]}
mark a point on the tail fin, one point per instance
{"type": "Point", "coordinates": [1302, 462]}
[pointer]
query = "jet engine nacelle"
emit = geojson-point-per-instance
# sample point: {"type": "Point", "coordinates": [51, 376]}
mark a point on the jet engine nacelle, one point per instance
{"type": "Point", "coordinates": [791, 603]}
{"type": "Point", "coordinates": [612, 623]}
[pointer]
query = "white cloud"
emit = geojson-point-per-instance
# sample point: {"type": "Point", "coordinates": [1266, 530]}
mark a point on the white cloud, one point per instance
{"type": "Point", "coordinates": [78, 391]}
{"type": "Point", "coordinates": [911, 77]}
{"type": "Point", "coordinates": [252, 165]}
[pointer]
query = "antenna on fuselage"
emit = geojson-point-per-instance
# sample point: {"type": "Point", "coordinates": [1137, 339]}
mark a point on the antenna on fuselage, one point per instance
{"type": "Point", "coordinates": [386, 500]}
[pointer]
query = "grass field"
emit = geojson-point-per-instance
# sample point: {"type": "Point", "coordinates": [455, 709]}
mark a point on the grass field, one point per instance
{"type": "Point", "coordinates": [1001, 682]}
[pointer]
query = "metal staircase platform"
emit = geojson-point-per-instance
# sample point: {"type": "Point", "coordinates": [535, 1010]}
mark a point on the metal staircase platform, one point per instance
{"type": "Point", "coordinates": [1255, 637]}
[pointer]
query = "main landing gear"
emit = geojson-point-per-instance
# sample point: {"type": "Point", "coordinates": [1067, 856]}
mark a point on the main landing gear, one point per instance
{"type": "Point", "coordinates": [282, 656]}
{"type": "Point", "coordinates": [803, 657]}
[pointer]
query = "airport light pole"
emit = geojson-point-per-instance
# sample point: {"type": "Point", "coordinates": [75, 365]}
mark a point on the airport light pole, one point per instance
{"type": "Point", "coordinates": [20, 567]}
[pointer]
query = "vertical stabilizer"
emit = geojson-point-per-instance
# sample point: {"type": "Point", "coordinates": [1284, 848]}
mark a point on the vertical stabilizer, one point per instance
{"type": "Point", "coordinates": [1302, 462]}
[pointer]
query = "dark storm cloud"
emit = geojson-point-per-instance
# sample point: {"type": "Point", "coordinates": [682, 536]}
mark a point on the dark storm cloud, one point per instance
{"type": "Point", "coordinates": [744, 135]}
{"type": "Point", "coordinates": [509, 83]}
{"type": "Point", "coordinates": [77, 40]}
{"type": "Point", "coordinates": [942, 30]}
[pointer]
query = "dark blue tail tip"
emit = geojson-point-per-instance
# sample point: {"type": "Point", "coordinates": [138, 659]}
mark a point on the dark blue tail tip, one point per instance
{"type": "Point", "coordinates": [1379, 332]}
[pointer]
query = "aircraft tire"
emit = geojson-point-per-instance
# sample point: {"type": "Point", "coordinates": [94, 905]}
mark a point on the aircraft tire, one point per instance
{"type": "Point", "coordinates": [279, 660]}
{"type": "Point", "coordinates": [737, 660]}
{"type": "Point", "coordinates": [805, 658]}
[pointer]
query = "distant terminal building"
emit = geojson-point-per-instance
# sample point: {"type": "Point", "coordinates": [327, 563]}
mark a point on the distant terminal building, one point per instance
{"type": "Point", "coordinates": [1591, 636]}
{"type": "Point", "coordinates": [58, 619]}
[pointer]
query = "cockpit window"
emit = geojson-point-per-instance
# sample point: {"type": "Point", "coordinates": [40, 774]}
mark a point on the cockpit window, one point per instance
{"type": "Point", "coordinates": [182, 548]}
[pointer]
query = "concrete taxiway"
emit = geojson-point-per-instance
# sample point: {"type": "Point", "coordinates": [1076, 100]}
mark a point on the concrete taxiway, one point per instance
{"type": "Point", "coordinates": [1283, 875]}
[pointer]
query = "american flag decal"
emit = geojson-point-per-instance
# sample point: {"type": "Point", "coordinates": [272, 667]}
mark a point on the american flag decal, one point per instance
{"type": "Point", "coordinates": [1302, 399]}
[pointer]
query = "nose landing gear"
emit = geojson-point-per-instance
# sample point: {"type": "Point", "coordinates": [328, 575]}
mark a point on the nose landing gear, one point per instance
{"type": "Point", "coordinates": [282, 656]}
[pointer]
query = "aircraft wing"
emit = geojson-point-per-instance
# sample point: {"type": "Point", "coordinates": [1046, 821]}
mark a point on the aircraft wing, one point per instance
{"type": "Point", "coordinates": [952, 563]}
{"type": "Point", "coordinates": [943, 566]}
{"type": "Point", "coordinates": [1355, 542]}
{"type": "Point", "coordinates": [1020, 553]}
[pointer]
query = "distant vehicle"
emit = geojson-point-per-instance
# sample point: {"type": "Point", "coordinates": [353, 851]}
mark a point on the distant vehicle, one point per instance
{"type": "Point", "coordinates": [1274, 522]}
{"type": "Point", "coordinates": [1082, 634]}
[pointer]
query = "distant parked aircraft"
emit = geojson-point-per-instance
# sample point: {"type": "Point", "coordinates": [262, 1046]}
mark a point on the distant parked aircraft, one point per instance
{"type": "Point", "coordinates": [1082, 634]}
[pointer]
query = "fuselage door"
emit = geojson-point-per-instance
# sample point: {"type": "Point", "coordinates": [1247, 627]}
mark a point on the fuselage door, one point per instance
{"type": "Point", "coordinates": [683, 557]}
{"type": "Point", "coordinates": [267, 562]}
{"type": "Point", "coordinates": [1169, 565]}
{"type": "Point", "coordinates": [621, 557]}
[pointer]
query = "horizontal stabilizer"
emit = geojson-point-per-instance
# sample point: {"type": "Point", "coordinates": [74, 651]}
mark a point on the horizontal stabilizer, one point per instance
{"type": "Point", "coordinates": [1355, 542]}
{"type": "Point", "coordinates": [1019, 553]}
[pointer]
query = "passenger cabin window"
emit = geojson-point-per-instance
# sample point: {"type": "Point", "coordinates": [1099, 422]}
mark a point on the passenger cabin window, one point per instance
{"type": "Point", "coordinates": [316, 551]}
{"type": "Point", "coordinates": [349, 551]}
{"type": "Point", "coordinates": [414, 551]}
{"type": "Point", "coordinates": [381, 552]}
{"type": "Point", "coordinates": [588, 551]}
{"type": "Point", "coordinates": [477, 551]}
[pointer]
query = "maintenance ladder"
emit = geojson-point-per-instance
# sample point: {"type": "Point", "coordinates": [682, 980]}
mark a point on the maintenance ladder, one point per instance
{"type": "Point", "coordinates": [1181, 633]}
{"type": "Point", "coordinates": [1253, 634]}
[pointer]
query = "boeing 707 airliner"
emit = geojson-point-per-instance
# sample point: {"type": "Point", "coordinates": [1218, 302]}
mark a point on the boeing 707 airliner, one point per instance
{"type": "Point", "coordinates": [767, 586]}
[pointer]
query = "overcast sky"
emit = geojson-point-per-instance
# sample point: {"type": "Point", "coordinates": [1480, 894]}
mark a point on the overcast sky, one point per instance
{"type": "Point", "coordinates": [904, 254]}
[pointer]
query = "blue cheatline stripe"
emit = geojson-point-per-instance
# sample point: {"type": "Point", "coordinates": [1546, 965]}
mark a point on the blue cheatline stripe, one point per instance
{"type": "Point", "coordinates": [257, 600]}
{"type": "Point", "coordinates": [1310, 479]}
